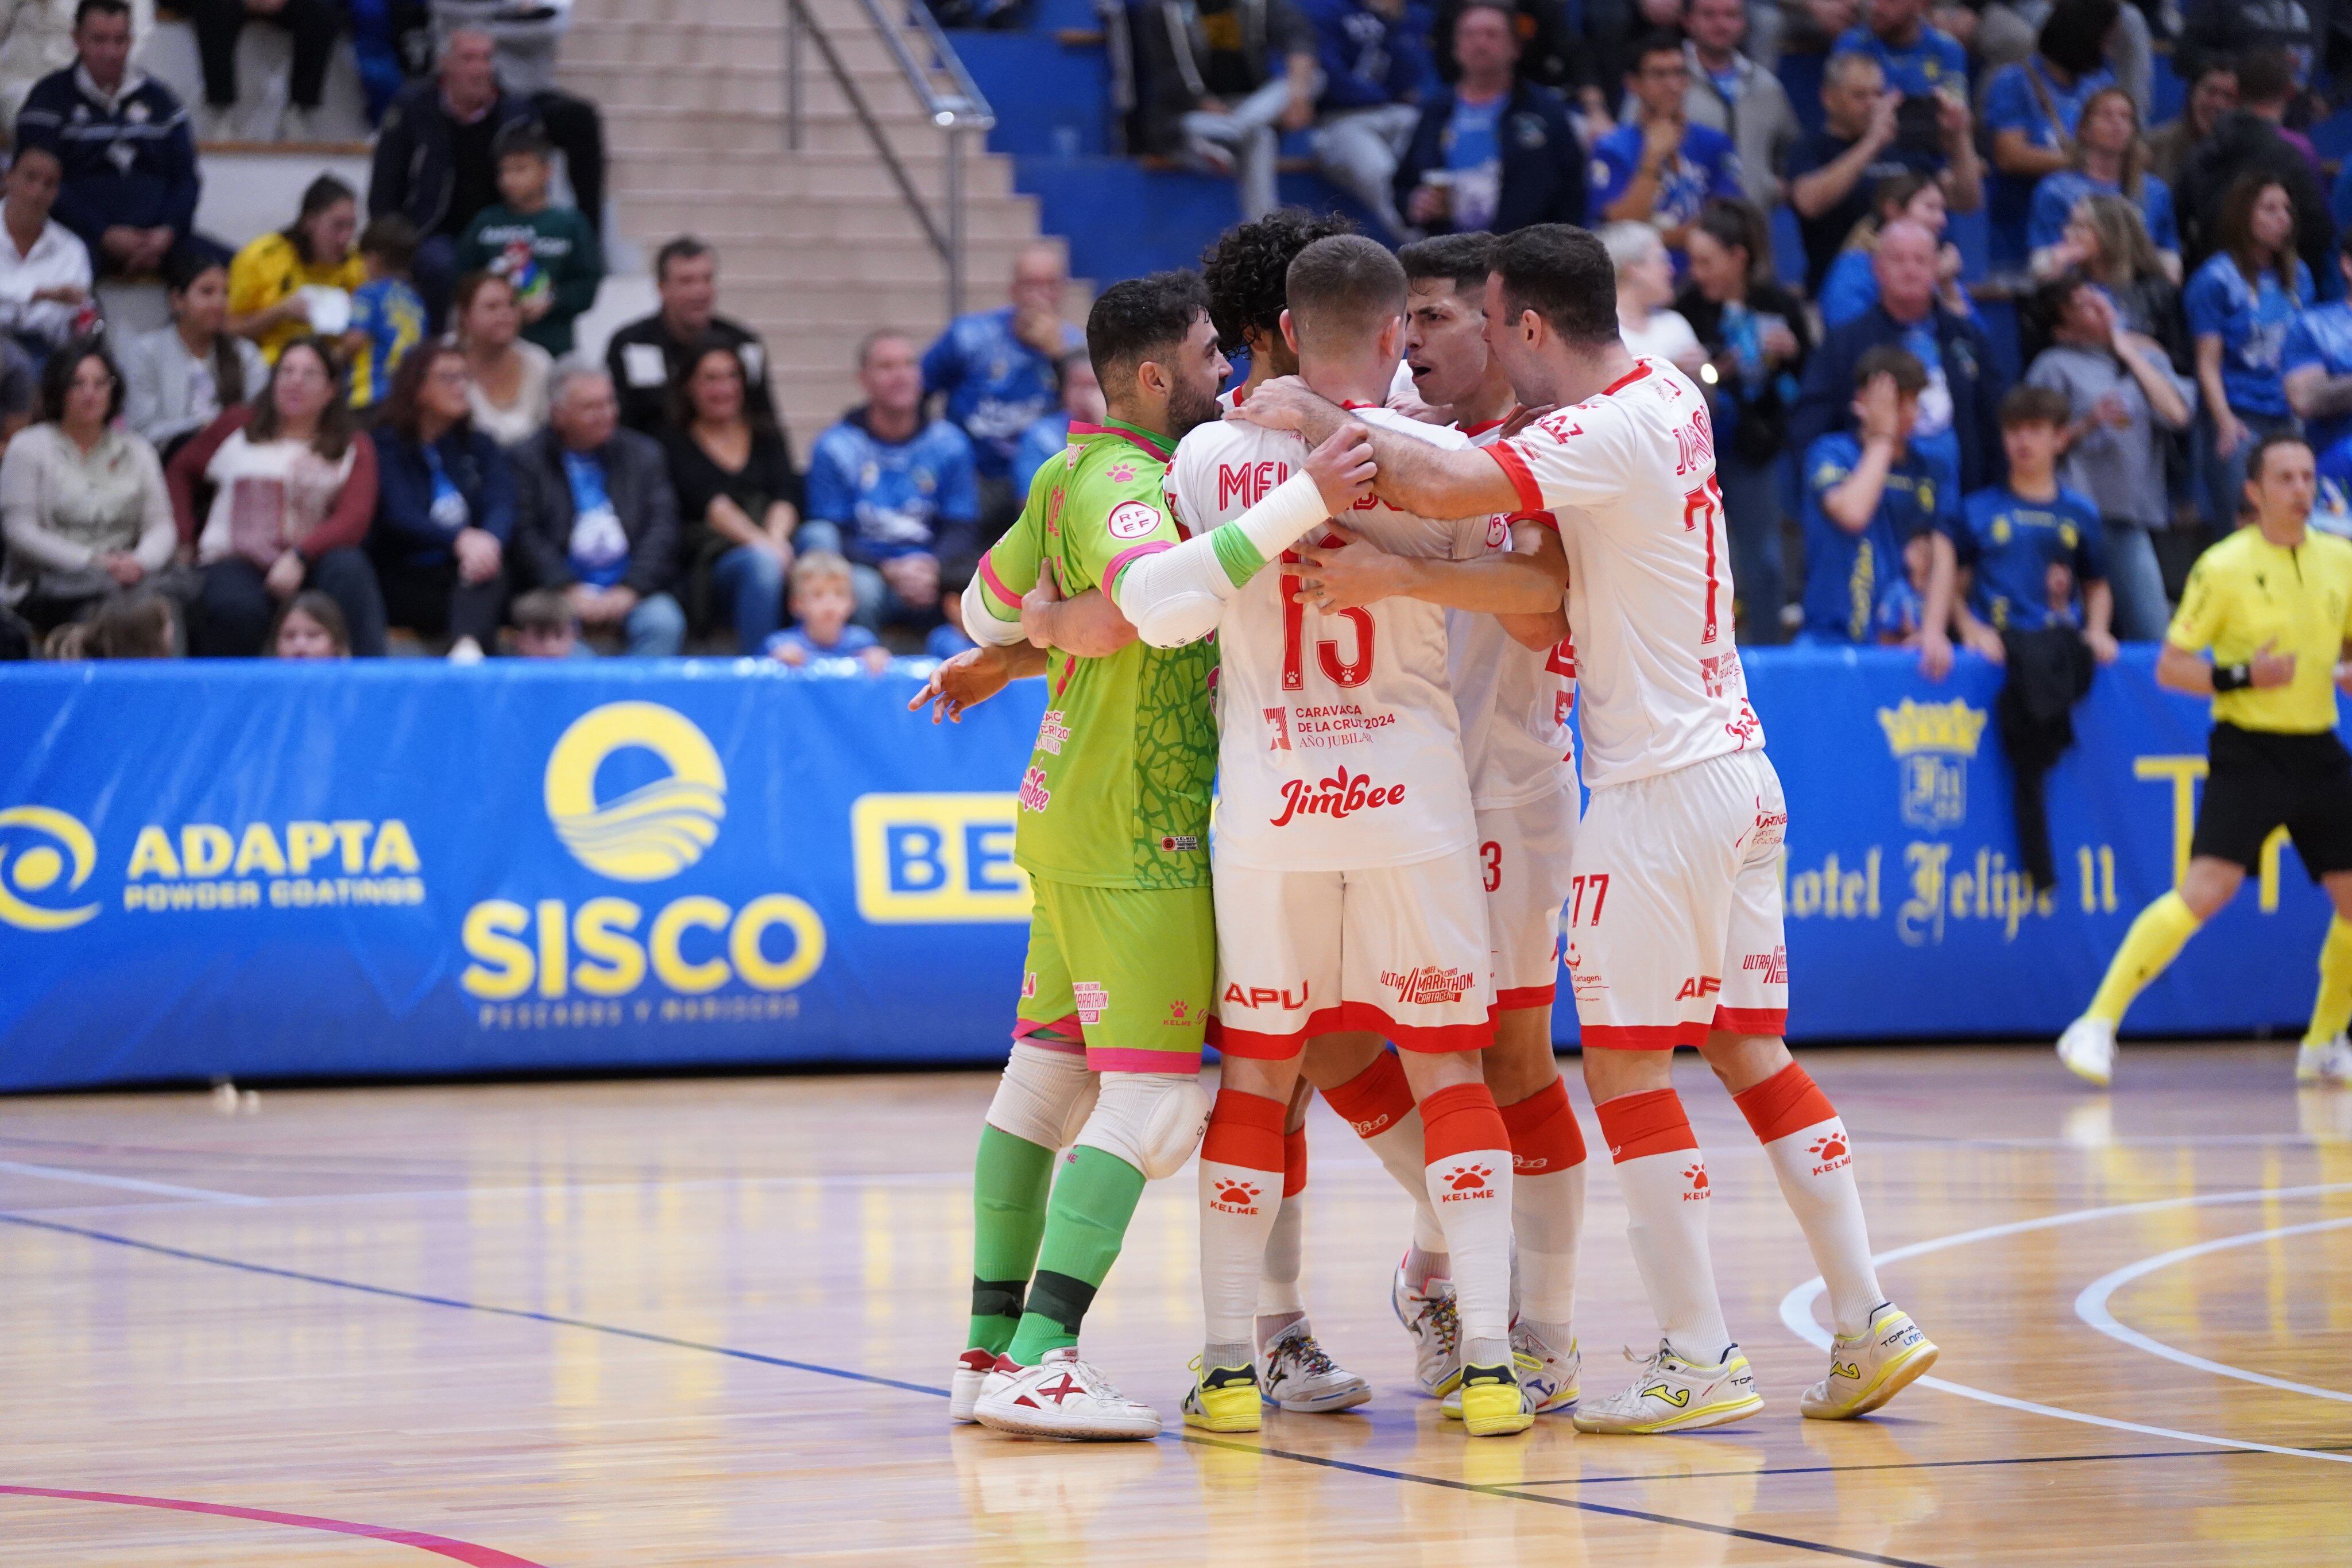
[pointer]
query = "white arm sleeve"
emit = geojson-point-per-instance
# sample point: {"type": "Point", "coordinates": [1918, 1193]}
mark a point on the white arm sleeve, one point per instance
{"type": "Point", "coordinates": [980, 621]}
{"type": "Point", "coordinates": [1174, 596]}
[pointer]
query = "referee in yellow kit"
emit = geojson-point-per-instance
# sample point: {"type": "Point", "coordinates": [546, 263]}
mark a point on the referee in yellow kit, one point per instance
{"type": "Point", "coordinates": [2273, 605]}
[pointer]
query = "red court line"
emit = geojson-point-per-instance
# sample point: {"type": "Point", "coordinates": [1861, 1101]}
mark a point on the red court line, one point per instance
{"type": "Point", "coordinates": [423, 1541]}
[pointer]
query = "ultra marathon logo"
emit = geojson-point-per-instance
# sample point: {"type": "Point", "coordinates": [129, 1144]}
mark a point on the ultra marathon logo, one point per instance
{"type": "Point", "coordinates": [48, 856]}
{"type": "Point", "coordinates": [552, 963]}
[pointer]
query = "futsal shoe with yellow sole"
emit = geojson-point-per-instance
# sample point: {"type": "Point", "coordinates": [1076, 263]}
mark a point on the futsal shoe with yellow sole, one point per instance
{"type": "Point", "coordinates": [971, 1370]}
{"type": "Point", "coordinates": [1490, 1401]}
{"type": "Point", "coordinates": [2329, 1061]}
{"type": "Point", "coordinates": [1224, 1399]}
{"type": "Point", "coordinates": [1548, 1376]}
{"type": "Point", "coordinates": [1871, 1367]}
{"type": "Point", "coordinates": [1673, 1395]}
{"type": "Point", "coordinates": [1301, 1377]}
{"type": "Point", "coordinates": [1061, 1396]}
{"type": "Point", "coordinates": [2088, 1050]}
{"type": "Point", "coordinates": [1429, 1319]}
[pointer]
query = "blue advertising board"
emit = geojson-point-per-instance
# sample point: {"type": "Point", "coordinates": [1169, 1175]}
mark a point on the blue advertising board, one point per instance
{"type": "Point", "coordinates": [396, 867]}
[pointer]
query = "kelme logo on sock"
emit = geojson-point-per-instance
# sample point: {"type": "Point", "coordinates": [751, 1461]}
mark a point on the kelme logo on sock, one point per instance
{"type": "Point", "coordinates": [1465, 1182]}
{"type": "Point", "coordinates": [1830, 1149]}
{"type": "Point", "coordinates": [1235, 1198]}
{"type": "Point", "coordinates": [1697, 1175]}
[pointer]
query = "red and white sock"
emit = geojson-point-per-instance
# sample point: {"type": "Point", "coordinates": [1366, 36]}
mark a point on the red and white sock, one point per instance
{"type": "Point", "coordinates": [1665, 1178]}
{"type": "Point", "coordinates": [1468, 1175]}
{"type": "Point", "coordinates": [1378, 1103]}
{"type": "Point", "coordinates": [1278, 1286]}
{"type": "Point", "coordinates": [1547, 1206]}
{"type": "Point", "coordinates": [1241, 1192]}
{"type": "Point", "coordinates": [1813, 1157]}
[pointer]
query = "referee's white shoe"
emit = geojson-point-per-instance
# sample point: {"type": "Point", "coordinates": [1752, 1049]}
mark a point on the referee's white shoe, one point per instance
{"type": "Point", "coordinates": [2326, 1064]}
{"type": "Point", "coordinates": [2088, 1050]}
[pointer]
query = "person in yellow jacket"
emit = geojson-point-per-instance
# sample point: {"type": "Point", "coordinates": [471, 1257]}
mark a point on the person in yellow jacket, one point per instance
{"type": "Point", "coordinates": [2263, 629]}
{"type": "Point", "coordinates": [282, 285]}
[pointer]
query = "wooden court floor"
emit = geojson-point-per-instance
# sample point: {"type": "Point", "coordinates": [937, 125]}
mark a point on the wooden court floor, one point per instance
{"type": "Point", "coordinates": [709, 1322]}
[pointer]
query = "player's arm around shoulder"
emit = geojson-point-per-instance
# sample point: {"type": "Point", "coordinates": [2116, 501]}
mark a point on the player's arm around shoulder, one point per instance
{"type": "Point", "coordinates": [1414, 475]}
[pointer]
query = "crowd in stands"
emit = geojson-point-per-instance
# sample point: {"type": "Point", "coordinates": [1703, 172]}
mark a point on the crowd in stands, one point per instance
{"type": "Point", "coordinates": [373, 425]}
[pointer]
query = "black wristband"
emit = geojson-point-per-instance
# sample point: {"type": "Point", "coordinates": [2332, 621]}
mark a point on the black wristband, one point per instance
{"type": "Point", "coordinates": [2232, 677]}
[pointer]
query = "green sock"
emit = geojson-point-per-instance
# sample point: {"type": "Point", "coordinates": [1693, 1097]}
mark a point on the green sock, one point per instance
{"type": "Point", "coordinates": [1008, 1214]}
{"type": "Point", "coordinates": [1087, 1220]}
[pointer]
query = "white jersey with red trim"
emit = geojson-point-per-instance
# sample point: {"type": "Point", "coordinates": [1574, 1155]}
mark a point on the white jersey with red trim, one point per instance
{"type": "Point", "coordinates": [1339, 746]}
{"type": "Point", "coordinates": [1513, 701]}
{"type": "Point", "coordinates": [1631, 475]}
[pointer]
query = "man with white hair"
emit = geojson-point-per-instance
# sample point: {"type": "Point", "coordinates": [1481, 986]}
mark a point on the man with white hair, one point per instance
{"type": "Point", "coordinates": [433, 163]}
{"type": "Point", "coordinates": [598, 518]}
{"type": "Point", "coordinates": [1958, 430]}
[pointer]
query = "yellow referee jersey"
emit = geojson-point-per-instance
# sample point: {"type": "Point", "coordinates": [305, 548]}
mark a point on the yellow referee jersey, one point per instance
{"type": "Point", "coordinates": [2247, 591]}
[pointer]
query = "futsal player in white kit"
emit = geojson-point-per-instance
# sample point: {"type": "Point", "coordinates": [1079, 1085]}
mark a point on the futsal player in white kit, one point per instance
{"type": "Point", "coordinates": [1345, 854]}
{"type": "Point", "coordinates": [1674, 919]}
{"type": "Point", "coordinates": [1513, 681]}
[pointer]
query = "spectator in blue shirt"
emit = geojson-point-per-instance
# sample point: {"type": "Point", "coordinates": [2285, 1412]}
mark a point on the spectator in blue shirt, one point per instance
{"type": "Point", "coordinates": [1917, 58]}
{"type": "Point", "coordinates": [123, 138]}
{"type": "Point", "coordinates": [1851, 287]}
{"type": "Point", "coordinates": [1658, 168]}
{"type": "Point", "coordinates": [2239, 306]}
{"type": "Point", "coordinates": [2110, 160]}
{"type": "Point", "coordinates": [1865, 140]}
{"type": "Point", "coordinates": [996, 370]}
{"type": "Point", "coordinates": [2016, 532]}
{"type": "Point", "coordinates": [1049, 434]}
{"type": "Point", "coordinates": [891, 493]}
{"type": "Point", "coordinates": [823, 595]}
{"type": "Point", "coordinates": [1494, 151]}
{"type": "Point", "coordinates": [1866, 496]}
{"type": "Point", "coordinates": [2315, 365]}
{"type": "Point", "coordinates": [444, 506]}
{"type": "Point", "coordinates": [2031, 109]}
{"type": "Point", "coordinates": [1374, 58]}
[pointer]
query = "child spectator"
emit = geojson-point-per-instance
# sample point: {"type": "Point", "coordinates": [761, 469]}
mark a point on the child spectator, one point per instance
{"type": "Point", "coordinates": [823, 595]}
{"type": "Point", "coordinates": [310, 627]}
{"type": "Point", "coordinates": [547, 253]}
{"type": "Point", "coordinates": [545, 627]}
{"type": "Point", "coordinates": [947, 638]}
{"type": "Point", "coordinates": [387, 313]}
{"type": "Point", "coordinates": [2031, 542]}
{"type": "Point", "coordinates": [141, 625]}
{"type": "Point", "coordinates": [1867, 496]}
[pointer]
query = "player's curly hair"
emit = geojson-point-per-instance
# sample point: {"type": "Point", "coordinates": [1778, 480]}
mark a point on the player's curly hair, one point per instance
{"type": "Point", "coordinates": [1247, 269]}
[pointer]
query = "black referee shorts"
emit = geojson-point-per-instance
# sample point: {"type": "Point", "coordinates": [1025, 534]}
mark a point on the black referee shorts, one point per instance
{"type": "Point", "coordinates": [2259, 782]}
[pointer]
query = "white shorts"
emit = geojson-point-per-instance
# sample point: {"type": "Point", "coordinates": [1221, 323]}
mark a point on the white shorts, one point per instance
{"type": "Point", "coordinates": [1401, 951]}
{"type": "Point", "coordinates": [1673, 909]}
{"type": "Point", "coordinates": [1523, 854]}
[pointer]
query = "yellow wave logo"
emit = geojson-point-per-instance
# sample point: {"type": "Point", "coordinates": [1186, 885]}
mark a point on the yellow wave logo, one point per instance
{"type": "Point", "coordinates": [36, 869]}
{"type": "Point", "coordinates": [655, 831]}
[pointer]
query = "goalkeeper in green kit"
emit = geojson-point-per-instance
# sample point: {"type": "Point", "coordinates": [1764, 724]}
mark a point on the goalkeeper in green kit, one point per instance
{"type": "Point", "coordinates": [1113, 829]}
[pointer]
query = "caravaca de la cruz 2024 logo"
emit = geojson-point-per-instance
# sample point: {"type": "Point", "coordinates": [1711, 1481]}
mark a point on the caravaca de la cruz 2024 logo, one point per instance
{"type": "Point", "coordinates": [552, 963]}
{"type": "Point", "coordinates": [1930, 883]}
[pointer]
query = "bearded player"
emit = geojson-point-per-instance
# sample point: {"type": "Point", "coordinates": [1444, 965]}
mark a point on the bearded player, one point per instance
{"type": "Point", "coordinates": [1347, 892]}
{"type": "Point", "coordinates": [1113, 832]}
{"type": "Point", "coordinates": [1513, 682]}
{"type": "Point", "coordinates": [1675, 919]}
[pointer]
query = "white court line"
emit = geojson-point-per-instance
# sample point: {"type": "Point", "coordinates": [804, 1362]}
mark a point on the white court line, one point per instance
{"type": "Point", "coordinates": [1797, 1310]}
{"type": "Point", "coordinates": [126, 1183]}
{"type": "Point", "coordinates": [2091, 1306]}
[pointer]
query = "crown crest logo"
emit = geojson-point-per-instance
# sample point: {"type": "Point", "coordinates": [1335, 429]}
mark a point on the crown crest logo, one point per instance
{"type": "Point", "coordinates": [1952, 728]}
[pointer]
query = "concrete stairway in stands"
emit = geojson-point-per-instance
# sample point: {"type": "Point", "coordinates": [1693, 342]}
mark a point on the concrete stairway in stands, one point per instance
{"type": "Point", "coordinates": [816, 248]}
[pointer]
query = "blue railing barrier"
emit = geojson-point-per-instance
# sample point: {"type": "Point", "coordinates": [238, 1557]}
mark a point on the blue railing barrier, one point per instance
{"type": "Point", "coordinates": [396, 868]}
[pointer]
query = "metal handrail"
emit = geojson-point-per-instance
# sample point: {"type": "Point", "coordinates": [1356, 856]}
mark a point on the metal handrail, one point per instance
{"type": "Point", "coordinates": [959, 110]}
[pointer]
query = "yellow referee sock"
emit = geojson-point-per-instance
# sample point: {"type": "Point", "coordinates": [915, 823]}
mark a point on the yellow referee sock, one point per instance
{"type": "Point", "coordinates": [2155, 939]}
{"type": "Point", "coordinates": [2333, 1009]}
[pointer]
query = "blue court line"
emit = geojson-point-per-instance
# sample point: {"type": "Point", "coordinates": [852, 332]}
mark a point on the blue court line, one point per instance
{"type": "Point", "coordinates": [646, 1337]}
{"type": "Point", "coordinates": [1912, 1464]}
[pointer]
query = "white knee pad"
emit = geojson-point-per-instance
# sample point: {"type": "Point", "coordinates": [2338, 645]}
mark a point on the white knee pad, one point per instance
{"type": "Point", "coordinates": [1045, 1096]}
{"type": "Point", "coordinates": [1153, 1121]}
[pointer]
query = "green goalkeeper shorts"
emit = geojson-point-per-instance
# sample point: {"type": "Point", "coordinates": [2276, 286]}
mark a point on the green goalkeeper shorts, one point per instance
{"type": "Point", "coordinates": [1130, 971]}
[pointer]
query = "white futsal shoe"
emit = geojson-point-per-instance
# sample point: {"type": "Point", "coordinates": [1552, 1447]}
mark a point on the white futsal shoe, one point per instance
{"type": "Point", "coordinates": [1547, 1377]}
{"type": "Point", "coordinates": [971, 1370]}
{"type": "Point", "coordinates": [1299, 1375]}
{"type": "Point", "coordinates": [1428, 1316]}
{"type": "Point", "coordinates": [1061, 1396]}
{"type": "Point", "coordinates": [2088, 1050]}
{"type": "Point", "coordinates": [1673, 1395]}
{"type": "Point", "coordinates": [1870, 1368]}
{"type": "Point", "coordinates": [2328, 1063]}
